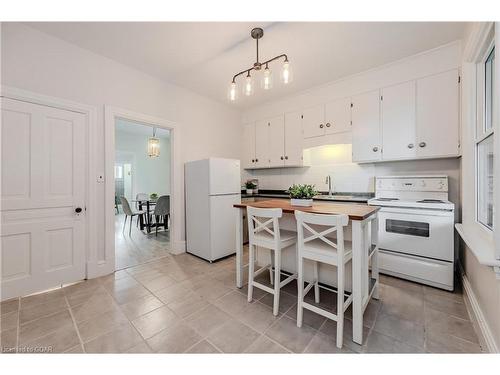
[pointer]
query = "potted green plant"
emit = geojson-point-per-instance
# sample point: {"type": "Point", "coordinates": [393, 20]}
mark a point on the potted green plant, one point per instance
{"type": "Point", "coordinates": [249, 185]}
{"type": "Point", "coordinates": [153, 196]}
{"type": "Point", "coordinates": [301, 195]}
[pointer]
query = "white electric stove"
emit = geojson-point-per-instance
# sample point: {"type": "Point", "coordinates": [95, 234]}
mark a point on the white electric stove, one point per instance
{"type": "Point", "coordinates": [416, 222]}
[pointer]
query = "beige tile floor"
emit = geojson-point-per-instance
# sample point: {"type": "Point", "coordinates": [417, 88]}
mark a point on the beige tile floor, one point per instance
{"type": "Point", "coordinates": [138, 247]}
{"type": "Point", "coordinates": [181, 304]}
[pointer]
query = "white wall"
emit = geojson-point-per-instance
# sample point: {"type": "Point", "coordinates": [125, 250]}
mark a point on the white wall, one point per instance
{"type": "Point", "coordinates": [149, 175]}
{"type": "Point", "coordinates": [336, 160]}
{"type": "Point", "coordinates": [37, 62]}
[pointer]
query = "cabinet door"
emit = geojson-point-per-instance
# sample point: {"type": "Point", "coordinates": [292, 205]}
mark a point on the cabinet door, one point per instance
{"type": "Point", "coordinates": [248, 157]}
{"type": "Point", "coordinates": [293, 139]}
{"type": "Point", "coordinates": [262, 144]}
{"type": "Point", "coordinates": [313, 121]}
{"type": "Point", "coordinates": [366, 145]}
{"type": "Point", "coordinates": [338, 116]}
{"type": "Point", "coordinates": [437, 115]}
{"type": "Point", "coordinates": [276, 141]}
{"type": "Point", "coordinates": [398, 121]}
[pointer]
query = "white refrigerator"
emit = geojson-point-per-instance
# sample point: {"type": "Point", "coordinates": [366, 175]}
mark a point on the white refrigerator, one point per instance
{"type": "Point", "coordinates": [212, 186]}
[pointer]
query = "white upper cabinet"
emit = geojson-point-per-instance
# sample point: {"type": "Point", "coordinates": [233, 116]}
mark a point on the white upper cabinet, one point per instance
{"type": "Point", "coordinates": [248, 158]}
{"type": "Point", "coordinates": [262, 144]}
{"type": "Point", "coordinates": [398, 121]}
{"type": "Point", "coordinates": [338, 116]}
{"type": "Point", "coordinates": [293, 139]}
{"type": "Point", "coordinates": [313, 121]}
{"type": "Point", "coordinates": [366, 145]}
{"type": "Point", "coordinates": [276, 136]}
{"type": "Point", "coordinates": [438, 115]}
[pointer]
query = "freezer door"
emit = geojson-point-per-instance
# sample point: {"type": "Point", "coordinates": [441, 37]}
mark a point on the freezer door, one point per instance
{"type": "Point", "coordinates": [225, 176]}
{"type": "Point", "coordinates": [223, 225]}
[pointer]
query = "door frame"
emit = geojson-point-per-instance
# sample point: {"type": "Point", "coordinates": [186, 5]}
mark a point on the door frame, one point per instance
{"type": "Point", "coordinates": [110, 115]}
{"type": "Point", "coordinates": [90, 113]}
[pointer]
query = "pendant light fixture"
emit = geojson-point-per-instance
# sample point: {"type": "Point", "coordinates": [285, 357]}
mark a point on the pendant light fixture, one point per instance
{"type": "Point", "coordinates": [153, 145]}
{"type": "Point", "coordinates": [266, 81]}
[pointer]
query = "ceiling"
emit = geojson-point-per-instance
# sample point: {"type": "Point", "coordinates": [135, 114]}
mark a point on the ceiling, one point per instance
{"type": "Point", "coordinates": [125, 126]}
{"type": "Point", "coordinates": [203, 57]}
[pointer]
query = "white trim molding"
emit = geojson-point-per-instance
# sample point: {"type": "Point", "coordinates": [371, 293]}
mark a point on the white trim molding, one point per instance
{"type": "Point", "coordinates": [484, 328]}
{"type": "Point", "coordinates": [91, 117]}
{"type": "Point", "coordinates": [177, 245]}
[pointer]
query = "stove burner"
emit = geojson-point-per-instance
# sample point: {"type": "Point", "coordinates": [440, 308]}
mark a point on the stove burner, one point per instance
{"type": "Point", "coordinates": [430, 201]}
{"type": "Point", "coordinates": [387, 199]}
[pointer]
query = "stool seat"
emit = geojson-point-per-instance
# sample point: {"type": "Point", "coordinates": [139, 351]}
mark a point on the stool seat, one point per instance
{"type": "Point", "coordinates": [320, 251]}
{"type": "Point", "coordinates": [265, 239]}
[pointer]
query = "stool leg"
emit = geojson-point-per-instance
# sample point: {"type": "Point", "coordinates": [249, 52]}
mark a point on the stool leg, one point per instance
{"type": "Point", "coordinates": [316, 283]}
{"type": "Point", "coordinates": [251, 265]}
{"type": "Point", "coordinates": [340, 302]}
{"type": "Point", "coordinates": [277, 273]}
{"type": "Point", "coordinates": [300, 290]}
{"type": "Point", "coordinates": [271, 278]}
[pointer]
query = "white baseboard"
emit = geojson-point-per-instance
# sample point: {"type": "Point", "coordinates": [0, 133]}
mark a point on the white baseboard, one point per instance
{"type": "Point", "coordinates": [478, 314]}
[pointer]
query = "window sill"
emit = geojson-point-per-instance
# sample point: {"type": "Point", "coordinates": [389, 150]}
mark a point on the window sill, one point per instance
{"type": "Point", "coordinates": [482, 247]}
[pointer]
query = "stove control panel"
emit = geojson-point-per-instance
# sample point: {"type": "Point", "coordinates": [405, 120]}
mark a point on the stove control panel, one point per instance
{"type": "Point", "coordinates": [413, 183]}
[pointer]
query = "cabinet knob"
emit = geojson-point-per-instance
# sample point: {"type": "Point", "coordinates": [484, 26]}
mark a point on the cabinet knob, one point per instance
{"type": "Point", "coordinates": [375, 149]}
{"type": "Point", "coordinates": [410, 145]}
{"type": "Point", "coordinates": [328, 124]}
{"type": "Point", "coordinates": [256, 160]}
{"type": "Point", "coordinates": [78, 210]}
{"type": "Point", "coordinates": [282, 158]}
{"type": "Point", "coordinates": [286, 157]}
{"type": "Point", "coordinates": [422, 144]}
{"type": "Point", "coordinates": [253, 160]}
{"type": "Point", "coordinates": [321, 126]}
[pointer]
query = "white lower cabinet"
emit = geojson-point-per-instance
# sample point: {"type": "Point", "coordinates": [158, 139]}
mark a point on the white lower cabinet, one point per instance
{"type": "Point", "coordinates": [366, 142]}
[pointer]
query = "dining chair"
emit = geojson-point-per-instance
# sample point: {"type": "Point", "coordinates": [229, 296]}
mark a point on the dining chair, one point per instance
{"type": "Point", "coordinates": [140, 197]}
{"type": "Point", "coordinates": [162, 210]}
{"type": "Point", "coordinates": [128, 212]}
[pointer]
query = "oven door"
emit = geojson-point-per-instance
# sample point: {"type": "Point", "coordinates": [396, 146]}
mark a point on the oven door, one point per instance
{"type": "Point", "coordinates": [427, 233]}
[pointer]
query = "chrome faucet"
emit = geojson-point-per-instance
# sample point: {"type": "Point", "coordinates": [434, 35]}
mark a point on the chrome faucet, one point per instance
{"type": "Point", "coordinates": [329, 182]}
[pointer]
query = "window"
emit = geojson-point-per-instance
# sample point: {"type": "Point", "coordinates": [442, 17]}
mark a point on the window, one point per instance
{"type": "Point", "coordinates": [484, 140]}
{"type": "Point", "coordinates": [118, 172]}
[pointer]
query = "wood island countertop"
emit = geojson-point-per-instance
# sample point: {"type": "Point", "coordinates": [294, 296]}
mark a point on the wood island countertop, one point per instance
{"type": "Point", "coordinates": [354, 211]}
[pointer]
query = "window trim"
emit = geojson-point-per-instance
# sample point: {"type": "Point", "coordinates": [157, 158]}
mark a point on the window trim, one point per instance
{"type": "Point", "coordinates": [481, 133]}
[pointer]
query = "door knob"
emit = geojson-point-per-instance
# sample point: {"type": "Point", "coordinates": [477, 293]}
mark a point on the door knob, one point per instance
{"type": "Point", "coordinates": [422, 144]}
{"type": "Point", "coordinates": [78, 210]}
{"type": "Point", "coordinates": [321, 126]}
{"type": "Point", "coordinates": [410, 145]}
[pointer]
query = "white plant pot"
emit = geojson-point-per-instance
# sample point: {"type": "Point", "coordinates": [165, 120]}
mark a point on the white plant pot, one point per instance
{"type": "Point", "coordinates": [256, 191]}
{"type": "Point", "coordinates": [301, 202]}
{"type": "Point", "coordinates": [249, 191]}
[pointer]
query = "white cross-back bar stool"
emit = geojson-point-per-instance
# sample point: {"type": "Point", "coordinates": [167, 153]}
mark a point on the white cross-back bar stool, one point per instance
{"type": "Point", "coordinates": [264, 231]}
{"type": "Point", "coordinates": [313, 245]}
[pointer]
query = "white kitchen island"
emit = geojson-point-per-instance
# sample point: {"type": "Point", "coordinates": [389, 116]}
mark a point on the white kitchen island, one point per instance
{"type": "Point", "coordinates": [362, 230]}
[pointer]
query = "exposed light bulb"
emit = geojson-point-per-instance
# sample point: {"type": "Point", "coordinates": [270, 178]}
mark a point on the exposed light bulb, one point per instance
{"type": "Point", "coordinates": [232, 93]}
{"type": "Point", "coordinates": [267, 79]}
{"type": "Point", "coordinates": [248, 87]}
{"type": "Point", "coordinates": [286, 74]}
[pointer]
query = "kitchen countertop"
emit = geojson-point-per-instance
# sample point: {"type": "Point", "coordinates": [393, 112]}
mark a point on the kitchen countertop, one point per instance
{"type": "Point", "coordinates": [354, 211]}
{"type": "Point", "coordinates": [336, 197]}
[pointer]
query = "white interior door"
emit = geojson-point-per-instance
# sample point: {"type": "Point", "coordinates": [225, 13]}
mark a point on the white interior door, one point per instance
{"type": "Point", "coordinates": [43, 185]}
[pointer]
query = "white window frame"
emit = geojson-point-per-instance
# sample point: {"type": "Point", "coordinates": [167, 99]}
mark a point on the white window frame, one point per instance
{"type": "Point", "coordinates": [481, 133]}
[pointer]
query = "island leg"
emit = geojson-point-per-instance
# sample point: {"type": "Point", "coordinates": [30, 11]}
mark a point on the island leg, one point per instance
{"type": "Point", "coordinates": [239, 247]}
{"type": "Point", "coordinates": [357, 281]}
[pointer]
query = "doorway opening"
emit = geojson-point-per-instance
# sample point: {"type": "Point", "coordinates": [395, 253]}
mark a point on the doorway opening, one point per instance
{"type": "Point", "coordinates": [142, 182]}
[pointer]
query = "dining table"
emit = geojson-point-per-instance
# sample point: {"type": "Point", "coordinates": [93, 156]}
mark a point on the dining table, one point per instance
{"type": "Point", "coordinates": [363, 222]}
{"type": "Point", "coordinates": [145, 223]}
